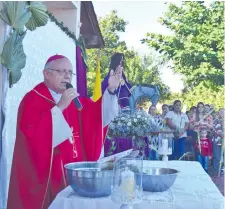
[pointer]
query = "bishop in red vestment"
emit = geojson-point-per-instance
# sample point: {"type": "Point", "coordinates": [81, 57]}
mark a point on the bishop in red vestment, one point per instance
{"type": "Point", "coordinates": [51, 132]}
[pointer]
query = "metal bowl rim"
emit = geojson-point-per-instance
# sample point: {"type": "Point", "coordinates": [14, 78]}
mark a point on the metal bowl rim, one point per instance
{"type": "Point", "coordinates": [89, 162]}
{"type": "Point", "coordinates": [168, 174]}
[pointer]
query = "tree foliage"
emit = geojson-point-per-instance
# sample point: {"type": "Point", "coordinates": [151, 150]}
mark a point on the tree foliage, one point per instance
{"type": "Point", "coordinates": [197, 43]}
{"type": "Point", "coordinates": [202, 93]}
{"type": "Point", "coordinates": [138, 70]}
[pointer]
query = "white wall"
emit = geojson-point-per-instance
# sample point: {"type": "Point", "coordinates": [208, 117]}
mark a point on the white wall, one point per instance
{"type": "Point", "coordinates": [38, 46]}
{"type": "Point", "coordinates": [77, 4]}
{"type": "Point", "coordinates": [67, 12]}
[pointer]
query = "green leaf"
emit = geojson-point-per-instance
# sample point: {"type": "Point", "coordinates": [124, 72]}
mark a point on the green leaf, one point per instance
{"type": "Point", "coordinates": [39, 16]}
{"type": "Point", "coordinates": [81, 44]}
{"type": "Point", "coordinates": [13, 56]}
{"type": "Point", "coordinates": [1, 61]}
{"type": "Point", "coordinates": [138, 70]}
{"type": "Point", "coordinates": [197, 37]}
{"type": "Point", "coordinates": [14, 14]}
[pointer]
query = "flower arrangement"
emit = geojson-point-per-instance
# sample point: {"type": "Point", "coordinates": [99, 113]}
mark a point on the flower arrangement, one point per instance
{"type": "Point", "coordinates": [135, 125]}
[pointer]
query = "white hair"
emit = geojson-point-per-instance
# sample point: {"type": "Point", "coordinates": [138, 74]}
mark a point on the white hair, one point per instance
{"type": "Point", "coordinates": [47, 65]}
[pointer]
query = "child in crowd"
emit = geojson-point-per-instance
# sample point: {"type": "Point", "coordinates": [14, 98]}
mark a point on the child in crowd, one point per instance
{"type": "Point", "coordinates": [204, 149]}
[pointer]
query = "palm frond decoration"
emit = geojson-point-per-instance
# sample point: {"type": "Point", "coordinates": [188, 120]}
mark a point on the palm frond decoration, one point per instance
{"type": "Point", "coordinates": [81, 44]}
{"type": "Point", "coordinates": [13, 56]}
{"type": "Point", "coordinates": [14, 14]}
{"type": "Point", "coordinates": [39, 16]}
{"type": "Point", "coordinates": [18, 15]}
{"type": "Point", "coordinates": [1, 61]}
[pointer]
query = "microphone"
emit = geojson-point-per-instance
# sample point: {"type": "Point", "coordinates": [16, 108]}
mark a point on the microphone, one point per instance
{"type": "Point", "coordinates": [76, 100]}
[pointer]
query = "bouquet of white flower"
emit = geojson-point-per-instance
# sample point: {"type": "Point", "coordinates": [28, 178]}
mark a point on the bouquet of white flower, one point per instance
{"type": "Point", "coordinates": [136, 124]}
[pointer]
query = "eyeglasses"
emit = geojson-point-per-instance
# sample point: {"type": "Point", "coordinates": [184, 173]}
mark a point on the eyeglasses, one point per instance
{"type": "Point", "coordinates": [63, 72]}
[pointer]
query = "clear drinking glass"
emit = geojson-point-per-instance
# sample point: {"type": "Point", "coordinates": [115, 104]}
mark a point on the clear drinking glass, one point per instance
{"type": "Point", "coordinates": [127, 182]}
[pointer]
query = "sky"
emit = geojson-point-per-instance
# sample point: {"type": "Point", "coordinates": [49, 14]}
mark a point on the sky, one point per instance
{"type": "Point", "coordinates": [142, 17]}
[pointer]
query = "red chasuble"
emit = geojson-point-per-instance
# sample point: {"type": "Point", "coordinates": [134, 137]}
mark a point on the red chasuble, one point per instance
{"type": "Point", "coordinates": [38, 172]}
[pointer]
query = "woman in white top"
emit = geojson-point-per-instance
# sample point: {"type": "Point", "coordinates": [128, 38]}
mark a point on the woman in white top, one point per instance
{"type": "Point", "coordinates": [178, 122]}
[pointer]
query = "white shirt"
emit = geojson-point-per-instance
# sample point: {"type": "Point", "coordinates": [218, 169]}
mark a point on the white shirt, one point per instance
{"type": "Point", "coordinates": [55, 96]}
{"type": "Point", "coordinates": [61, 129]}
{"type": "Point", "coordinates": [178, 120]}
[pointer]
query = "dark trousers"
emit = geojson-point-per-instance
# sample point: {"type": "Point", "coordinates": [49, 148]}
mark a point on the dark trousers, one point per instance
{"type": "Point", "coordinates": [192, 136]}
{"type": "Point", "coordinates": [153, 155]}
{"type": "Point", "coordinates": [178, 148]}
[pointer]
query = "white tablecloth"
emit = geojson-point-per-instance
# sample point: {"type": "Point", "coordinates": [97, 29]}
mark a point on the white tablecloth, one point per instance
{"type": "Point", "coordinates": [193, 189]}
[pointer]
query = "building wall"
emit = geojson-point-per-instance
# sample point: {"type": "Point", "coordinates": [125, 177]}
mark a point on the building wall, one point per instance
{"type": "Point", "coordinates": [77, 4]}
{"type": "Point", "coordinates": [67, 12]}
{"type": "Point", "coordinates": [38, 46]}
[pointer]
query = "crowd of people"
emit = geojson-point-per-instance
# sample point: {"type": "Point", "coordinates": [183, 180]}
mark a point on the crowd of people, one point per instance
{"type": "Point", "coordinates": [193, 131]}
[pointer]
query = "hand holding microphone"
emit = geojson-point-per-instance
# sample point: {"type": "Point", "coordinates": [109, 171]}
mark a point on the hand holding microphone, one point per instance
{"type": "Point", "coordinates": [68, 95]}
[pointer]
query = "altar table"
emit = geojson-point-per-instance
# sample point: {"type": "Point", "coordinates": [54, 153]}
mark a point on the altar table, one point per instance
{"type": "Point", "coordinates": [193, 189]}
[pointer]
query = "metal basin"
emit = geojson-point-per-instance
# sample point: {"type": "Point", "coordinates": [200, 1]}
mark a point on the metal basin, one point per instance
{"type": "Point", "coordinates": [158, 179]}
{"type": "Point", "coordinates": [90, 179]}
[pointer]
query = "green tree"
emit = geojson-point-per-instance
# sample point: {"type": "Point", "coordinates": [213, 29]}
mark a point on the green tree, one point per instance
{"type": "Point", "coordinates": [146, 71]}
{"type": "Point", "coordinates": [110, 26]}
{"type": "Point", "coordinates": [202, 93]}
{"type": "Point", "coordinates": [197, 43]}
{"type": "Point", "coordinates": [138, 70]}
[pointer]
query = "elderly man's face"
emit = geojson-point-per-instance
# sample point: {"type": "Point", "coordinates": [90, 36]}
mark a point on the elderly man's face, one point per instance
{"type": "Point", "coordinates": [58, 73]}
